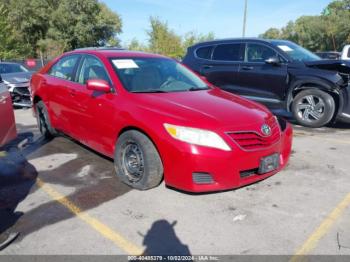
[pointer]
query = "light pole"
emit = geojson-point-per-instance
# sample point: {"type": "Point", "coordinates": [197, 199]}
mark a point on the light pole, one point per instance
{"type": "Point", "coordinates": [245, 17]}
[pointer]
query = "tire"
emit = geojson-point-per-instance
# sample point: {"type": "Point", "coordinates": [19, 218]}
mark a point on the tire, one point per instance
{"type": "Point", "coordinates": [313, 108]}
{"type": "Point", "coordinates": [137, 162]}
{"type": "Point", "coordinates": [43, 120]}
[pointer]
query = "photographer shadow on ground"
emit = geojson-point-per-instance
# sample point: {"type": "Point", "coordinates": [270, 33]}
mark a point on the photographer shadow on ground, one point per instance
{"type": "Point", "coordinates": [17, 177]}
{"type": "Point", "coordinates": [161, 240]}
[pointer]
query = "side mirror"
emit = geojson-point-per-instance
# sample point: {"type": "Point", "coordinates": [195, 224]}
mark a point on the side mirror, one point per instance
{"type": "Point", "coordinates": [98, 85]}
{"type": "Point", "coordinates": [274, 60]}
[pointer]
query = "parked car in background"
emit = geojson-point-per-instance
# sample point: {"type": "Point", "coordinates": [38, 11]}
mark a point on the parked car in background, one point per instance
{"type": "Point", "coordinates": [329, 55]}
{"type": "Point", "coordinates": [345, 55]}
{"type": "Point", "coordinates": [16, 77]}
{"type": "Point", "coordinates": [279, 74]}
{"type": "Point", "coordinates": [154, 116]}
{"type": "Point", "coordinates": [8, 124]}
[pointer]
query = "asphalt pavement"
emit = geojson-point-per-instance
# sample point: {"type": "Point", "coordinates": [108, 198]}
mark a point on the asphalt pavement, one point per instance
{"type": "Point", "coordinates": [66, 199]}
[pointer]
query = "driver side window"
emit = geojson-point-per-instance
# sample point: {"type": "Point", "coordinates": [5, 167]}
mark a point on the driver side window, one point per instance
{"type": "Point", "coordinates": [92, 68]}
{"type": "Point", "coordinates": [256, 53]}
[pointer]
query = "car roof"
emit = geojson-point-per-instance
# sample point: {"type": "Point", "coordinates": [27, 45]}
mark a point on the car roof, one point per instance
{"type": "Point", "coordinates": [9, 63]}
{"type": "Point", "coordinates": [228, 40]}
{"type": "Point", "coordinates": [109, 53]}
{"type": "Point", "coordinates": [328, 52]}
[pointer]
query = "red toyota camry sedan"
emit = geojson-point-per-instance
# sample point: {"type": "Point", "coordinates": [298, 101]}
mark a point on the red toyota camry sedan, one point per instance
{"type": "Point", "coordinates": [157, 119]}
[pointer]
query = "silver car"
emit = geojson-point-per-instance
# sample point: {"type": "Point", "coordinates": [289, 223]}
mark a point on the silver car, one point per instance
{"type": "Point", "coordinates": [16, 77]}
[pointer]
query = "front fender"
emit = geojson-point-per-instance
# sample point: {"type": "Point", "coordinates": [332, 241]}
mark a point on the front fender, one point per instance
{"type": "Point", "coordinates": [302, 83]}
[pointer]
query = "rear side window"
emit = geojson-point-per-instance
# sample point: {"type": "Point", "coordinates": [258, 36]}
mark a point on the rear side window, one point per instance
{"type": "Point", "coordinates": [65, 67]}
{"type": "Point", "coordinates": [204, 52]}
{"type": "Point", "coordinates": [229, 52]}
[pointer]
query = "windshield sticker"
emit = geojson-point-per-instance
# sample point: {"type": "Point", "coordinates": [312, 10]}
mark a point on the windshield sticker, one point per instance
{"type": "Point", "coordinates": [124, 63]}
{"type": "Point", "coordinates": [285, 48]}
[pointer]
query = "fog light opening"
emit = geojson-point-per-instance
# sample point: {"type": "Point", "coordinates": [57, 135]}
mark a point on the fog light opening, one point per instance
{"type": "Point", "coordinates": [201, 178]}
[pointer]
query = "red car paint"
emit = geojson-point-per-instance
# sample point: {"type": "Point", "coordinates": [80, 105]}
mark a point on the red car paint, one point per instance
{"type": "Point", "coordinates": [98, 121]}
{"type": "Point", "coordinates": [8, 125]}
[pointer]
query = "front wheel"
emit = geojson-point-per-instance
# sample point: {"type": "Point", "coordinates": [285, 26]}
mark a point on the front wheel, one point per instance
{"type": "Point", "coordinates": [313, 108]}
{"type": "Point", "coordinates": [137, 162]}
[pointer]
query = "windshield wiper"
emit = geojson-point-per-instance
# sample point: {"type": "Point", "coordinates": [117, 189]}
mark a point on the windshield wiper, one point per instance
{"type": "Point", "coordinates": [198, 88]}
{"type": "Point", "coordinates": [149, 91]}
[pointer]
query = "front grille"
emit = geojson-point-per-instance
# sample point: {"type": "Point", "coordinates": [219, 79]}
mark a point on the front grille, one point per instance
{"type": "Point", "coordinates": [23, 91]}
{"type": "Point", "coordinates": [202, 178]}
{"type": "Point", "coordinates": [251, 140]}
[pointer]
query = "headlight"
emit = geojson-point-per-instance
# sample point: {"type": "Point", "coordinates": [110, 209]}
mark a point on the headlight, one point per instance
{"type": "Point", "coordinates": [197, 136]}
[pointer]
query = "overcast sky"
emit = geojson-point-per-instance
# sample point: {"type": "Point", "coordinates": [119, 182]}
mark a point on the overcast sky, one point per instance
{"type": "Point", "coordinates": [223, 17]}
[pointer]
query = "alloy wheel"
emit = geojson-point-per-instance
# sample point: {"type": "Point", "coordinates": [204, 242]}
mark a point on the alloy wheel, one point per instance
{"type": "Point", "coordinates": [311, 108]}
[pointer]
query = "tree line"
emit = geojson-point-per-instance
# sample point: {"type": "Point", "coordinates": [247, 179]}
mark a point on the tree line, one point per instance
{"type": "Point", "coordinates": [30, 28]}
{"type": "Point", "coordinates": [163, 40]}
{"type": "Point", "coordinates": [329, 31]}
{"type": "Point", "coordinates": [47, 28]}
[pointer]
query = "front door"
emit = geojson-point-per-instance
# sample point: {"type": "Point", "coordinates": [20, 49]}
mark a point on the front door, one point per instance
{"type": "Point", "coordinates": [93, 111]}
{"type": "Point", "coordinates": [260, 81]}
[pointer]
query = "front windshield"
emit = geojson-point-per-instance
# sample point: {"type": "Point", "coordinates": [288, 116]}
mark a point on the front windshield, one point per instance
{"type": "Point", "coordinates": [12, 68]}
{"type": "Point", "coordinates": [155, 75]}
{"type": "Point", "coordinates": [296, 52]}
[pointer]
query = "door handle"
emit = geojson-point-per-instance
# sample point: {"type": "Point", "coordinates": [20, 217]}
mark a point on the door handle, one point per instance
{"type": "Point", "coordinates": [207, 67]}
{"type": "Point", "coordinates": [247, 68]}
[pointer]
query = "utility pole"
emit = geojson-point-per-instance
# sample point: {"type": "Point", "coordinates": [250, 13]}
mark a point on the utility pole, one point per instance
{"type": "Point", "coordinates": [245, 17]}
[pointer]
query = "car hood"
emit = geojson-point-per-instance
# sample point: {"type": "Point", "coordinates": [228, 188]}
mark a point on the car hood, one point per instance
{"type": "Point", "coordinates": [16, 78]}
{"type": "Point", "coordinates": [205, 109]}
{"type": "Point", "coordinates": [341, 66]}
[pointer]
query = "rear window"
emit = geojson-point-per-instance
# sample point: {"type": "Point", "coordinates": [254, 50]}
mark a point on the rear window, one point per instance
{"type": "Point", "coordinates": [204, 52]}
{"type": "Point", "coordinates": [229, 52]}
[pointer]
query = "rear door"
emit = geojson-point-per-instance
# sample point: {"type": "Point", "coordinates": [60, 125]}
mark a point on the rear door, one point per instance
{"type": "Point", "coordinates": [8, 125]}
{"type": "Point", "coordinates": [222, 69]}
{"type": "Point", "coordinates": [58, 85]}
{"type": "Point", "coordinates": [260, 81]}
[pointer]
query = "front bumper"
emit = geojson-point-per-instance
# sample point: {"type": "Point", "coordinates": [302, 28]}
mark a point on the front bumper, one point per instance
{"type": "Point", "coordinates": [344, 107]}
{"type": "Point", "coordinates": [228, 170]}
{"type": "Point", "coordinates": [20, 94]}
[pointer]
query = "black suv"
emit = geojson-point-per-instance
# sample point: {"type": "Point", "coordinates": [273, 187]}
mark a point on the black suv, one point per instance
{"type": "Point", "coordinates": [279, 74]}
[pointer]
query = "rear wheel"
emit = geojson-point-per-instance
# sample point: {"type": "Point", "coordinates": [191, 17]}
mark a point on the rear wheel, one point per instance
{"type": "Point", "coordinates": [43, 120]}
{"type": "Point", "coordinates": [137, 162]}
{"type": "Point", "coordinates": [313, 108]}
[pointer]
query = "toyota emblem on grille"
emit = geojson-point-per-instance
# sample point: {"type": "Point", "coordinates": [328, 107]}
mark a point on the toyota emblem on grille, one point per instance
{"type": "Point", "coordinates": [266, 130]}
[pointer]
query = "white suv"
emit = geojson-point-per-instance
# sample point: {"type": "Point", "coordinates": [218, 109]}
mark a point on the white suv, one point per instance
{"type": "Point", "coordinates": [345, 55]}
